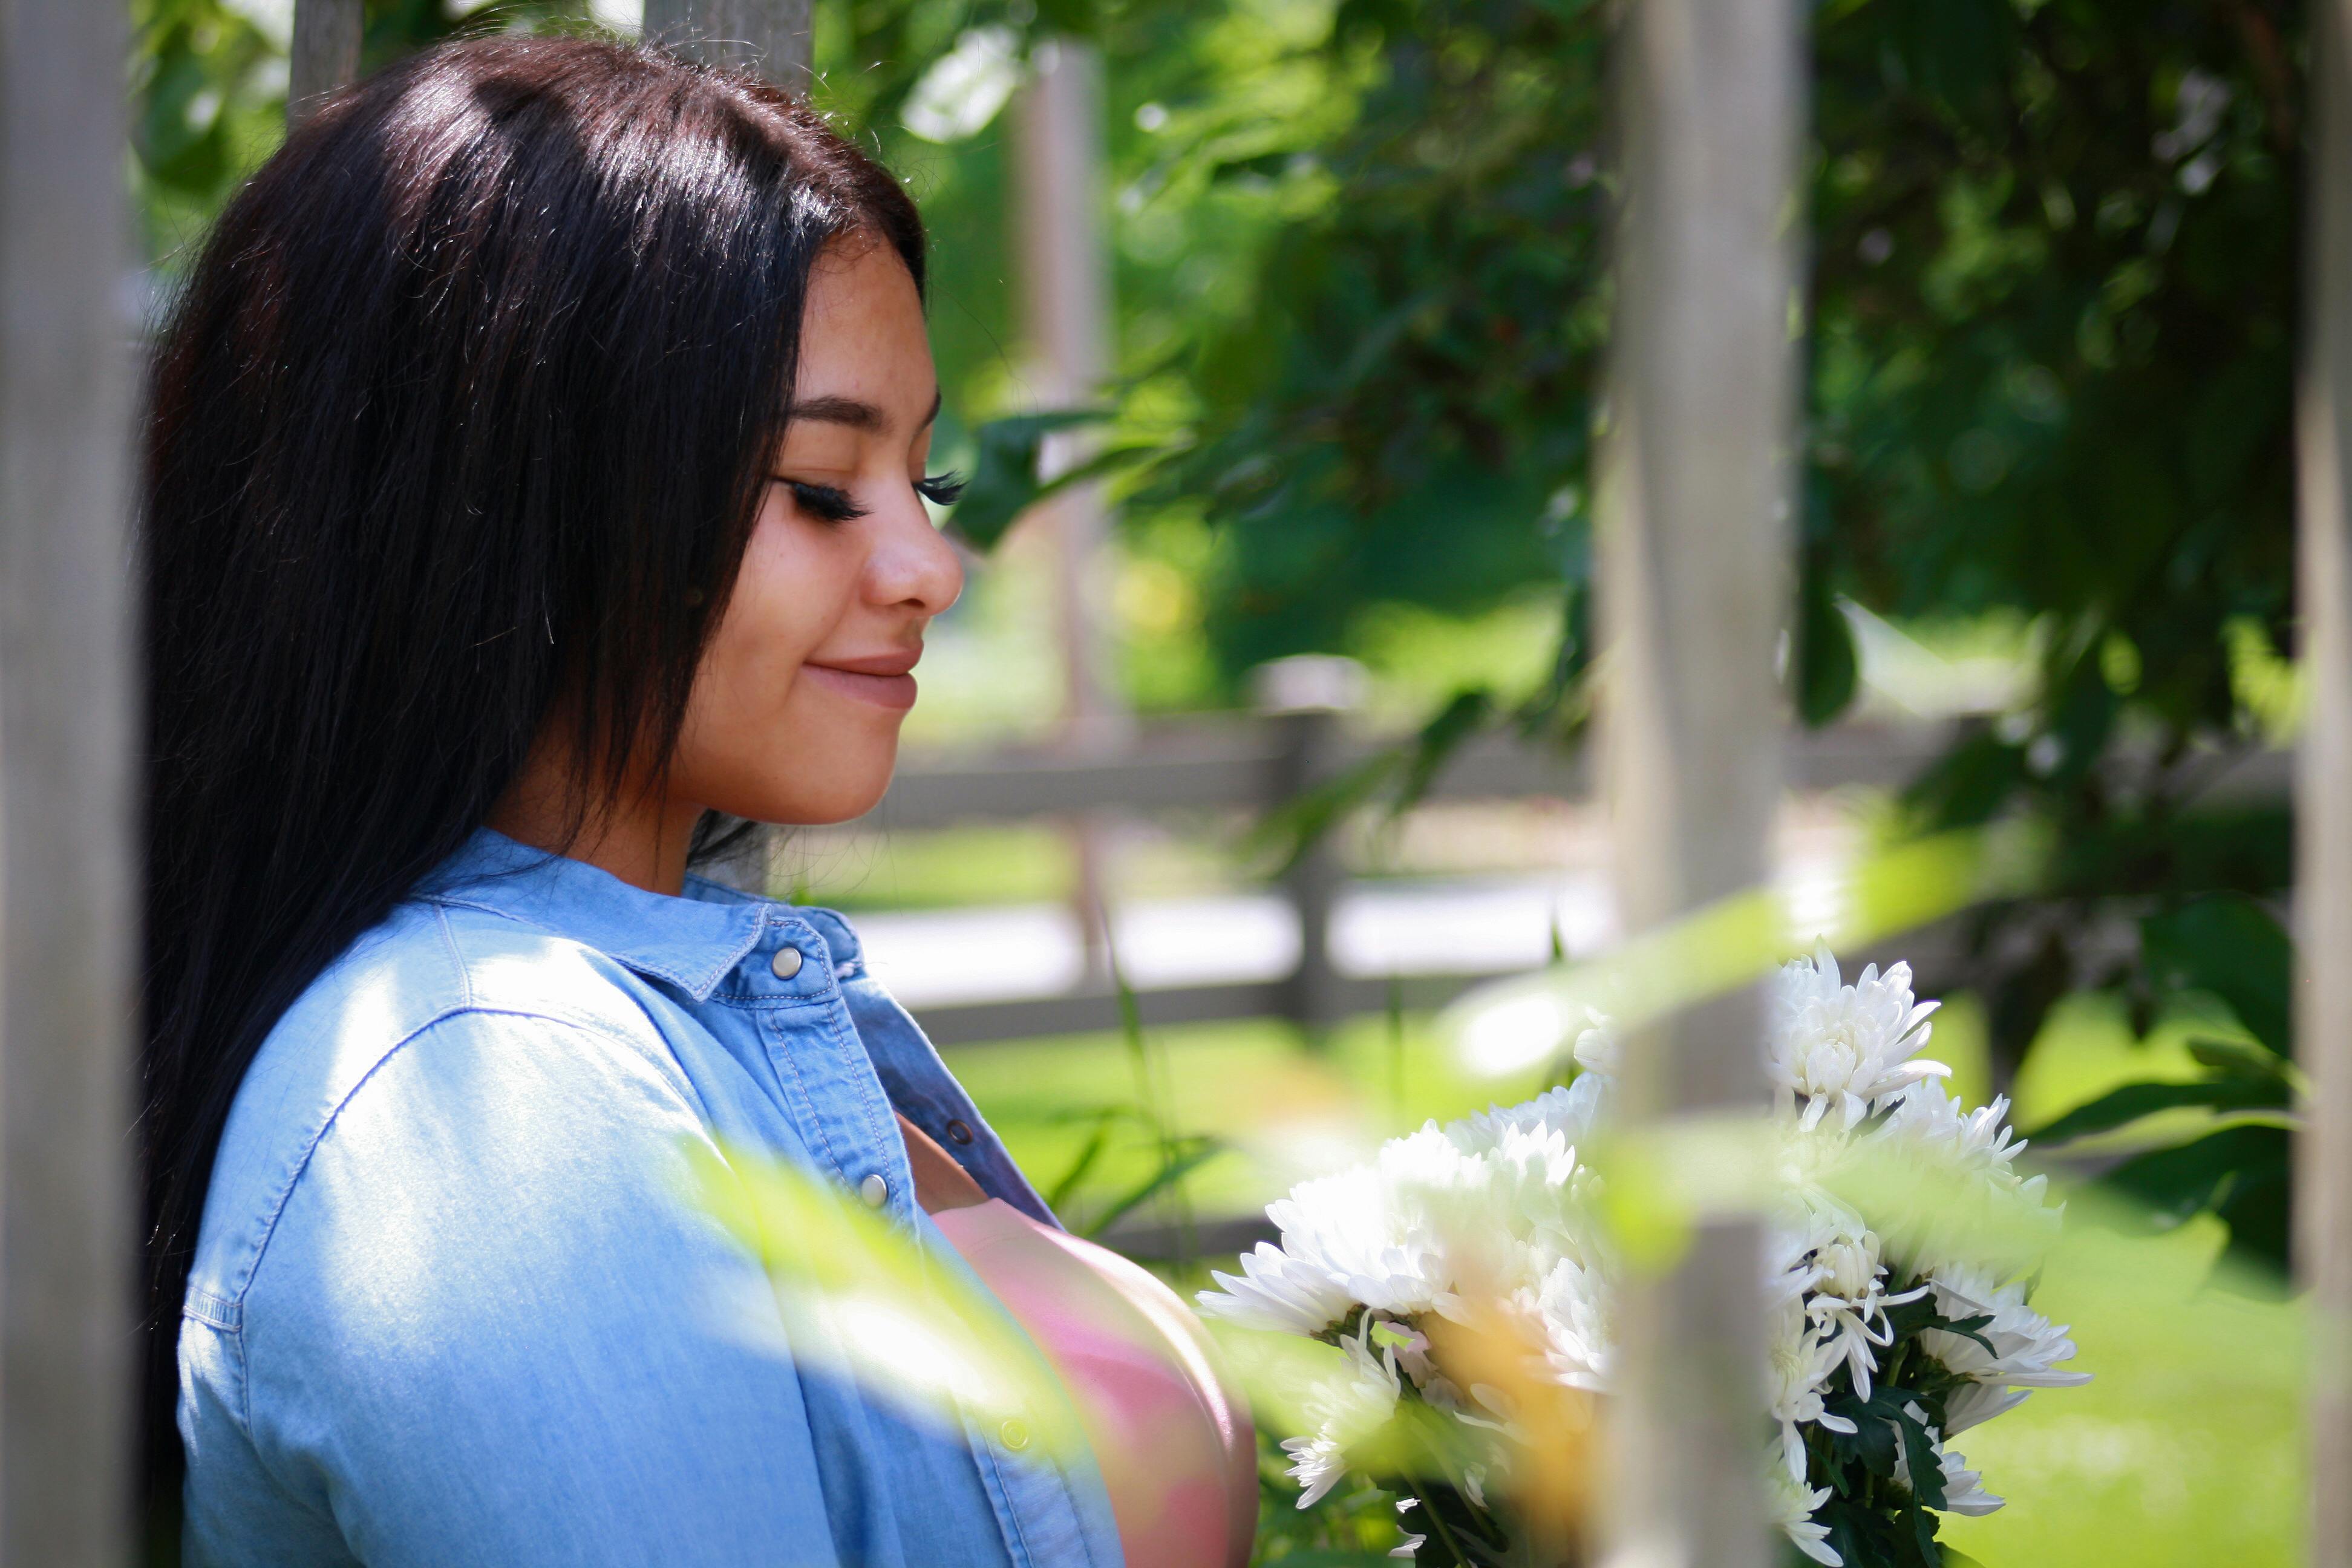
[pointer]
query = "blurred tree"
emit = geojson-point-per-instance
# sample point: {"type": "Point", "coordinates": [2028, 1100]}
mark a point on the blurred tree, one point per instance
{"type": "Point", "coordinates": [1363, 299]}
{"type": "Point", "coordinates": [2055, 311]}
{"type": "Point", "coordinates": [208, 83]}
{"type": "Point", "coordinates": [2053, 315]}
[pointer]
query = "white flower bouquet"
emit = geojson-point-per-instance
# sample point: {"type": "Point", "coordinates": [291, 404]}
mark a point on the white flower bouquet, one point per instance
{"type": "Point", "coordinates": [1467, 1276]}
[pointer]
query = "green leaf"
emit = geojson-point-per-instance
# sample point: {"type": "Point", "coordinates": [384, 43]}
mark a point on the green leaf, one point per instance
{"type": "Point", "coordinates": [1970, 784]}
{"type": "Point", "coordinates": [2231, 947]}
{"type": "Point", "coordinates": [2121, 1107]}
{"type": "Point", "coordinates": [2238, 1057]}
{"type": "Point", "coordinates": [2260, 1213]}
{"type": "Point", "coordinates": [1912, 1319]}
{"type": "Point", "coordinates": [1919, 1457]}
{"type": "Point", "coordinates": [1091, 1152]}
{"type": "Point", "coordinates": [1291, 830]}
{"type": "Point", "coordinates": [1462, 717]}
{"type": "Point", "coordinates": [1194, 1153]}
{"type": "Point", "coordinates": [1004, 483]}
{"type": "Point", "coordinates": [1827, 669]}
{"type": "Point", "coordinates": [2178, 1182]}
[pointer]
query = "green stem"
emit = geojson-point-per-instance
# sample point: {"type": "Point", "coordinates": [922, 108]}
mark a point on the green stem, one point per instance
{"type": "Point", "coordinates": [1438, 1527]}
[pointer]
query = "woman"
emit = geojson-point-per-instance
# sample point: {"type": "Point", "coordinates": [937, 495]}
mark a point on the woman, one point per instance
{"type": "Point", "coordinates": [536, 475]}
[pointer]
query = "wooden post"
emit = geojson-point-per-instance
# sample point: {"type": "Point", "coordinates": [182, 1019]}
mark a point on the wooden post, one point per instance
{"type": "Point", "coordinates": [2323, 793]}
{"type": "Point", "coordinates": [1064, 264]}
{"type": "Point", "coordinates": [1694, 585]}
{"type": "Point", "coordinates": [1307, 696]}
{"type": "Point", "coordinates": [67, 910]}
{"type": "Point", "coordinates": [771, 37]}
{"type": "Point", "coordinates": [1064, 284]}
{"type": "Point", "coordinates": [325, 54]}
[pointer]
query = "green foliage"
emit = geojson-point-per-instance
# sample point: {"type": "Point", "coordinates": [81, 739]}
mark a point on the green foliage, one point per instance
{"type": "Point", "coordinates": [2232, 948]}
{"type": "Point", "coordinates": [2054, 302]}
{"type": "Point", "coordinates": [208, 85]}
{"type": "Point", "coordinates": [2232, 951]}
{"type": "Point", "coordinates": [1004, 482]}
{"type": "Point", "coordinates": [2051, 307]}
{"type": "Point", "coordinates": [1402, 414]}
{"type": "Point", "coordinates": [1884, 1479]}
{"type": "Point", "coordinates": [1362, 266]}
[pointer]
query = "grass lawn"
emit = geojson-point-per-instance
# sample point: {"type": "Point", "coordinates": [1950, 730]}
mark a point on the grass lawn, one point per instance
{"type": "Point", "coordinates": [2185, 1449]}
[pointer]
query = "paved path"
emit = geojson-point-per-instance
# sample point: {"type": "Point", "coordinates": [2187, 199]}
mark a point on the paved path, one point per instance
{"type": "Point", "coordinates": [1458, 926]}
{"type": "Point", "coordinates": [995, 953]}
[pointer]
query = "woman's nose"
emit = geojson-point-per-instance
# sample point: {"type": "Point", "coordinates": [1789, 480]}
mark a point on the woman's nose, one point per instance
{"type": "Point", "coordinates": [913, 564]}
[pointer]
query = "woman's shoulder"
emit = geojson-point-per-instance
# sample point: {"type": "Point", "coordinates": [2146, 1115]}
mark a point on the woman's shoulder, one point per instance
{"type": "Point", "coordinates": [455, 971]}
{"type": "Point", "coordinates": [445, 1036]}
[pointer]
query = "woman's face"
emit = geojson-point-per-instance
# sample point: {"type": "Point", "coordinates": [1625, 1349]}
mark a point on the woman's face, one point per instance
{"type": "Point", "coordinates": [795, 710]}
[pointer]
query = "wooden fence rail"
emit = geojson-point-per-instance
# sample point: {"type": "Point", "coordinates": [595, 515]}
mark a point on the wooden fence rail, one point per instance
{"type": "Point", "coordinates": [1250, 766]}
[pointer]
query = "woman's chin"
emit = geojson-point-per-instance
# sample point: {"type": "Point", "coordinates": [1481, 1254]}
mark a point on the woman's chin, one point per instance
{"type": "Point", "coordinates": [847, 793]}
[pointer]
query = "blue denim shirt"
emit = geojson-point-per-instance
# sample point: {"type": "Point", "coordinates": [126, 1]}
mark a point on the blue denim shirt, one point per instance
{"type": "Point", "coordinates": [450, 1305]}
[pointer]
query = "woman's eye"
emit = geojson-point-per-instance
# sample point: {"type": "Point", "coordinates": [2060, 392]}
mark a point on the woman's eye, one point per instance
{"type": "Point", "coordinates": [940, 489]}
{"type": "Point", "coordinates": [824, 501]}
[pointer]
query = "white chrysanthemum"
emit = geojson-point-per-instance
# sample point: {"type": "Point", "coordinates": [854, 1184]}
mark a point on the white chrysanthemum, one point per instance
{"type": "Point", "coordinates": [1411, 1546]}
{"type": "Point", "coordinates": [1799, 1363]}
{"type": "Point", "coordinates": [1964, 1491]}
{"type": "Point", "coordinates": [1847, 1046]}
{"type": "Point", "coordinates": [1963, 1487]}
{"type": "Point", "coordinates": [1980, 1139]}
{"type": "Point", "coordinates": [1487, 1206]}
{"type": "Point", "coordinates": [1967, 1201]}
{"type": "Point", "coordinates": [2026, 1347]}
{"type": "Point", "coordinates": [1596, 1048]}
{"type": "Point", "coordinates": [1570, 1110]}
{"type": "Point", "coordinates": [1848, 1298]}
{"type": "Point", "coordinates": [1275, 1291]}
{"type": "Point", "coordinates": [1493, 1214]}
{"type": "Point", "coordinates": [1572, 1307]}
{"type": "Point", "coordinates": [1792, 1508]}
{"type": "Point", "coordinates": [1347, 1407]}
{"type": "Point", "coordinates": [1356, 1237]}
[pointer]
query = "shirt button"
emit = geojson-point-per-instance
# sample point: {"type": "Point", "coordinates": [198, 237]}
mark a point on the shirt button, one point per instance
{"type": "Point", "coordinates": [786, 963]}
{"type": "Point", "coordinates": [1016, 1433]}
{"type": "Point", "coordinates": [958, 1133]}
{"type": "Point", "coordinates": [874, 1190]}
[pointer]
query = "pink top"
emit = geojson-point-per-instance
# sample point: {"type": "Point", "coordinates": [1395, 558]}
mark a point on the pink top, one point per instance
{"type": "Point", "coordinates": [1170, 1431]}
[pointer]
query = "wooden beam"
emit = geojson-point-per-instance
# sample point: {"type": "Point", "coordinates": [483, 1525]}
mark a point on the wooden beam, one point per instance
{"type": "Point", "coordinates": [325, 54]}
{"type": "Point", "coordinates": [771, 37]}
{"type": "Point", "coordinates": [1240, 765]}
{"type": "Point", "coordinates": [67, 907]}
{"type": "Point", "coordinates": [2323, 793]}
{"type": "Point", "coordinates": [1693, 580]}
{"type": "Point", "coordinates": [1061, 259]}
{"type": "Point", "coordinates": [1097, 1011]}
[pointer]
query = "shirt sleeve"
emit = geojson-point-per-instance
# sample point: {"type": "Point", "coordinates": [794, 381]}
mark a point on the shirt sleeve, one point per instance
{"type": "Point", "coordinates": [490, 1325]}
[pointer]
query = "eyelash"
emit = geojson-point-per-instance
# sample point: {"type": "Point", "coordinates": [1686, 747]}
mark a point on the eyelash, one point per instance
{"type": "Point", "coordinates": [834, 505]}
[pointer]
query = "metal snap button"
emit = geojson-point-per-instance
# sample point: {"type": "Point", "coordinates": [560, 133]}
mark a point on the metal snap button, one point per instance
{"type": "Point", "coordinates": [958, 1133]}
{"type": "Point", "coordinates": [1016, 1433]}
{"type": "Point", "coordinates": [786, 963]}
{"type": "Point", "coordinates": [874, 1190]}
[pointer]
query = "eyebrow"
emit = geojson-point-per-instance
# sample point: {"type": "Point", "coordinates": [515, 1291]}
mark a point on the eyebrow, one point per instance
{"type": "Point", "coordinates": [853, 413]}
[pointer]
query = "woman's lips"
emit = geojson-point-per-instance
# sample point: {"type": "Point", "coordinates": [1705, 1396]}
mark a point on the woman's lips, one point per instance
{"type": "Point", "coordinates": [886, 679]}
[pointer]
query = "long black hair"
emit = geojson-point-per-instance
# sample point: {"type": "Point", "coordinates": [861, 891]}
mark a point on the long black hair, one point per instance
{"type": "Point", "coordinates": [457, 431]}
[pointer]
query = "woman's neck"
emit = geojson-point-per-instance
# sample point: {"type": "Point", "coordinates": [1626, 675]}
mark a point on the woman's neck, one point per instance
{"type": "Point", "coordinates": [642, 836]}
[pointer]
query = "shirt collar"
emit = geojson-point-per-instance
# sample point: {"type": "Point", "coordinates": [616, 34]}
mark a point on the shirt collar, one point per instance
{"type": "Point", "coordinates": [691, 941]}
